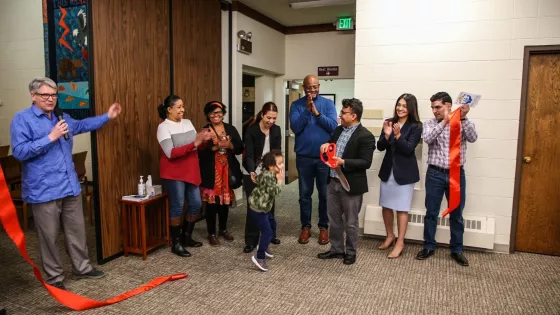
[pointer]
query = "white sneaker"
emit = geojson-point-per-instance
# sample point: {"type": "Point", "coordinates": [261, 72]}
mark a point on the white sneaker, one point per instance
{"type": "Point", "coordinates": [260, 263]}
{"type": "Point", "coordinates": [267, 252]}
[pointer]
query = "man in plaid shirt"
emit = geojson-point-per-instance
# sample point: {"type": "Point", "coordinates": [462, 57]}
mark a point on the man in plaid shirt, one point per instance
{"type": "Point", "coordinates": [436, 135]}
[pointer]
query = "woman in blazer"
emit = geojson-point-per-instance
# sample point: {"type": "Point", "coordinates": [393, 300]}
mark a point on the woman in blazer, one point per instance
{"type": "Point", "coordinates": [262, 136]}
{"type": "Point", "coordinates": [219, 170]}
{"type": "Point", "coordinates": [399, 170]}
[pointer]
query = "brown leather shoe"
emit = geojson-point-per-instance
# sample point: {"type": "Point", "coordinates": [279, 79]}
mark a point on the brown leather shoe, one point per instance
{"type": "Point", "coordinates": [323, 236]}
{"type": "Point", "coordinates": [213, 240]}
{"type": "Point", "coordinates": [304, 235]}
{"type": "Point", "coordinates": [225, 234]}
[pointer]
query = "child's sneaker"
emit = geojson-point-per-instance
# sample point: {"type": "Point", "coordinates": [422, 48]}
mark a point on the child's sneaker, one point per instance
{"type": "Point", "coordinates": [267, 252]}
{"type": "Point", "coordinates": [261, 263]}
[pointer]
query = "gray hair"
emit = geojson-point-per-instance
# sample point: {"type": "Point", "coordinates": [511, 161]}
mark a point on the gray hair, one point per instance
{"type": "Point", "coordinates": [37, 83]}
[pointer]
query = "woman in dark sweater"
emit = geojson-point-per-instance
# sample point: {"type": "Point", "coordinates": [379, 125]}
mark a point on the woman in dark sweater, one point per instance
{"type": "Point", "coordinates": [262, 136]}
{"type": "Point", "coordinates": [220, 170]}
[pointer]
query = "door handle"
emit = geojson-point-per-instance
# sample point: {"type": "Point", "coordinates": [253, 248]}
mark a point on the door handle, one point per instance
{"type": "Point", "coordinates": [527, 159]}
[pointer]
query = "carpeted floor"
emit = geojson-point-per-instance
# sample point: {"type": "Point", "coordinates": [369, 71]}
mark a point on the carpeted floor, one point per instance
{"type": "Point", "coordinates": [224, 281]}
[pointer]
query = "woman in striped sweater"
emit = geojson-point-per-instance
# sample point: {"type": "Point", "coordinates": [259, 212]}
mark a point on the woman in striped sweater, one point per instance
{"type": "Point", "coordinates": [179, 170]}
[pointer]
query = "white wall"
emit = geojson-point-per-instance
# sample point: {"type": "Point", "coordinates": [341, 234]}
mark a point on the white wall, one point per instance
{"type": "Point", "coordinates": [267, 58]}
{"type": "Point", "coordinates": [264, 91]}
{"type": "Point", "coordinates": [342, 88]}
{"type": "Point", "coordinates": [306, 52]}
{"type": "Point", "coordinates": [265, 61]}
{"type": "Point", "coordinates": [453, 46]}
{"type": "Point", "coordinates": [21, 59]}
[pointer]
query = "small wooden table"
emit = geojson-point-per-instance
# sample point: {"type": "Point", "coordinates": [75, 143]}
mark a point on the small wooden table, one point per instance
{"type": "Point", "coordinates": [145, 224]}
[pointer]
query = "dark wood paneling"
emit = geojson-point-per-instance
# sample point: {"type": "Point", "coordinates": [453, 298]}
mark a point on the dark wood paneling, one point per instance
{"type": "Point", "coordinates": [197, 55]}
{"type": "Point", "coordinates": [131, 66]}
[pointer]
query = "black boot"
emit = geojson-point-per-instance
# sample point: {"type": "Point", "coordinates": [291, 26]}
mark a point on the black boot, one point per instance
{"type": "Point", "coordinates": [186, 238]}
{"type": "Point", "coordinates": [176, 247]}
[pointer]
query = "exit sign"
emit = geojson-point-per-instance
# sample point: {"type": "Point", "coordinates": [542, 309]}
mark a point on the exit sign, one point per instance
{"type": "Point", "coordinates": [346, 23]}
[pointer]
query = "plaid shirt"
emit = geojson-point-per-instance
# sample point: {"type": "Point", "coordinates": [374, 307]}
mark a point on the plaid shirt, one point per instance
{"type": "Point", "coordinates": [342, 141]}
{"type": "Point", "coordinates": [437, 139]}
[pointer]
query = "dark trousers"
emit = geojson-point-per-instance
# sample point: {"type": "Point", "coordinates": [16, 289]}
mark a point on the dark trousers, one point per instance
{"type": "Point", "coordinates": [211, 211]}
{"type": "Point", "coordinates": [266, 224]}
{"type": "Point", "coordinates": [312, 170]}
{"type": "Point", "coordinates": [437, 184]}
{"type": "Point", "coordinates": [252, 231]}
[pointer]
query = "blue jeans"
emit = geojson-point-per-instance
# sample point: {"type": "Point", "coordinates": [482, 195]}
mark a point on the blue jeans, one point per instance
{"type": "Point", "coordinates": [266, 224]}
{"type": "Point", "coordinates": [178, 191]}
{"type": "Point", "coordinates": [437, 183]}
{"type": "Point", "coordinates": [310, 170]}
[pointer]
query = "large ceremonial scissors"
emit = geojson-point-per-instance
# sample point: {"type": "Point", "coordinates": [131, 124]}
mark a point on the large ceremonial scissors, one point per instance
{"type": "Point", "coordinates": [328, 158]}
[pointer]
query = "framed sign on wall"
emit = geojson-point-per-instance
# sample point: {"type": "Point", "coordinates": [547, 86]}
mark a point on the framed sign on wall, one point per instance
{"type": "Point", "coordinates": [331, 97]}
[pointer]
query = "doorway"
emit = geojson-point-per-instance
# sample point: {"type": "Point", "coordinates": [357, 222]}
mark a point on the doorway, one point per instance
{"type": "Point", "coordinates": [294, 91]}
{"type": "Point", "coordinates": [333, 89]}
{"type": "Point", "coordinates": [536, 216]}
{"type": "Point", "coordinates": [248, 101]}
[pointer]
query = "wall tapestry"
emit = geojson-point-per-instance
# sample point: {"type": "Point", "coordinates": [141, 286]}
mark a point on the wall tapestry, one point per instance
{"type": "Point", "coordinates": [66, 53]}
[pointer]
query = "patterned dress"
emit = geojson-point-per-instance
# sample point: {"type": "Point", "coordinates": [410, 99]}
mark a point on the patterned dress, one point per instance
{"type": "Point", "coordinates": [221, 188]}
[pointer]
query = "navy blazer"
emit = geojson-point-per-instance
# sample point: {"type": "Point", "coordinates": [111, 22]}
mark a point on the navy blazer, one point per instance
{"type": "Point", "coordinates": [400, 155]}
{"type": "Point", "coordinates": [357, 156]}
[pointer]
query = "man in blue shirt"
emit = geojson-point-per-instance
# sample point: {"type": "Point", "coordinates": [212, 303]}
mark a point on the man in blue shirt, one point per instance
{"type": "Point", "coordinates": [313, 120]}
{"type": "Point", "coordinates": [49, 181]}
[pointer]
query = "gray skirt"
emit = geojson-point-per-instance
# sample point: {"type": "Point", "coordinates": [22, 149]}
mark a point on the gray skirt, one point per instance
{"type": "Point", "coordinates": [395, 196]}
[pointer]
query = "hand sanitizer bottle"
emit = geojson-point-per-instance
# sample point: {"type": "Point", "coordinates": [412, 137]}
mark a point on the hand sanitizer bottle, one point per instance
{"type": "Point", "coordinates": [149, 187]}
{"type": "Point", "coordinates": [149, 181]}
{"type": "Point", "coordinates": [141, 186]}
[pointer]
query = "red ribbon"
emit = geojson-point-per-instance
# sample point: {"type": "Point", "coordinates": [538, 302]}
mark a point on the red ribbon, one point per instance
{"type": "Point", "coordinates": [454, 162]}
{"type": "Point", "coordinates": [9, 220]}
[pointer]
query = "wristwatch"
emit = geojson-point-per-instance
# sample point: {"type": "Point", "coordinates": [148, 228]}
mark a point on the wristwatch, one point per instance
{"type": "Point", "coordinates": [317, 116]}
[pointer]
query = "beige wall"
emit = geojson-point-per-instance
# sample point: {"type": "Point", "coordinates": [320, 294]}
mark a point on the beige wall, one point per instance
{"type": "Point", "coordinates": [21, 59]}
{"type": "Point", "coordinates": [306, 52]}
{"type": "Point", "coordinates": [453, 46]}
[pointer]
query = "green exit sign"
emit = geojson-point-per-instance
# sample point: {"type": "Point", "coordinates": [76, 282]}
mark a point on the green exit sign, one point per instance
{"type": "Point", "coordinates": [346, 23]}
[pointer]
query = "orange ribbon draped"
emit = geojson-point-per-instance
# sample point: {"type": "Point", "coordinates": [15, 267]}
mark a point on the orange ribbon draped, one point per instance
{"type": "Point", "coordinates": [9, 220]}
{"type": "Point", "coordinates": [454, 162]}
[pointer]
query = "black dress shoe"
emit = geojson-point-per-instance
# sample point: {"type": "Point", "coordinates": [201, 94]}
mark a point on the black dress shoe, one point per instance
{"type": "Point", "coordinates": [179, 250]}
{"type": "Point", "coordinates": [330, 255]}
{"type": "Point", "coordinates": [349, 259]}
{"type": "Point", "coordinates": [425, 254]}
{"type": "Point", "coordinates": [248, 248]}
{"type": "Point", "coordinates": [59, 285]}
{"type": "Point", "coordinates": [460, 259]}
{"type": "Point", "coordinates": [275, 241]}
{"type": "Point", "coordinates": [2, 312]}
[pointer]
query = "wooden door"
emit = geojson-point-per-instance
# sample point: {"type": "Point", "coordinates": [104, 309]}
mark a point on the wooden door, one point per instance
{"type": "Point", "coordinates": [538, 220]}
{"type": "Point", "coordinates": [291, 171]}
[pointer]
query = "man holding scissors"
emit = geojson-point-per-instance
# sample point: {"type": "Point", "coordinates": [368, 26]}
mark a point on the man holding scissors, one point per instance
{"type": "Point", "coordinates": [313, 120]}
{"type": "Point", "coordinates": [352, 155]}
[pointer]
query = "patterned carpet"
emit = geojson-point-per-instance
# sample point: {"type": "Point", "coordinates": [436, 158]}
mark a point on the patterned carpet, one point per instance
{"type": "Point", "coordinates": [224, 281]}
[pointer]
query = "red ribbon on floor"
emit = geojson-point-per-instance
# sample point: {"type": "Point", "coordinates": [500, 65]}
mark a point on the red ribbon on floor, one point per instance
{"type": "Point", "coordinates": [454, 162]}
{"type": "Point", "coordinates": [9, 220]}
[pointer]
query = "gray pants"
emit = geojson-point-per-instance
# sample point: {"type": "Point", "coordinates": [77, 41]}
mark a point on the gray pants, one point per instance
{"type": "Point", "coordinates": [339, 203]}
{"type": "Point", "coordinates": [48, 217]}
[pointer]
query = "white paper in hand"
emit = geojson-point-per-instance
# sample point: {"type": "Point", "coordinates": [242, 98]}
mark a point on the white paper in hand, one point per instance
{"type": "Point", "coordinates": [466, 98]}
